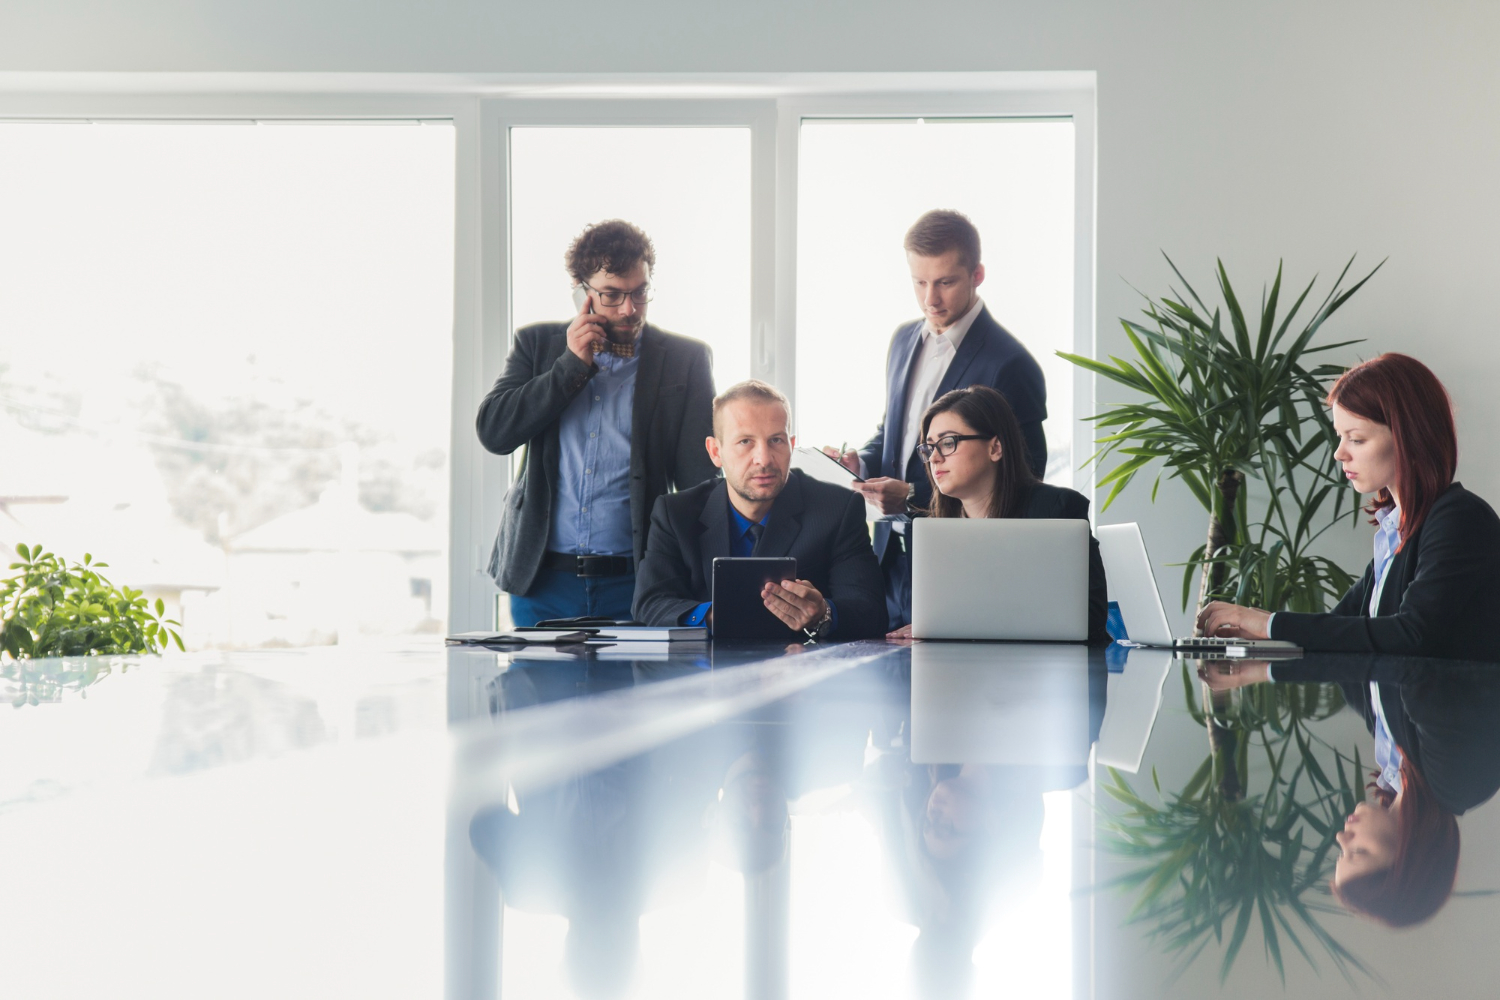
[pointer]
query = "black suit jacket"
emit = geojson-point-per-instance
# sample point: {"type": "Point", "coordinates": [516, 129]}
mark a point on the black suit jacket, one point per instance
{"type": "Point", "coordinates": [990, 356]}
{"type": "Point", "coordinates": [821, 525]}
{"type": "Point", "coordinates": [1060, 502]}
{"type": "Point", "coordinates": [1441, 595]}
{"type": "Point", "coordinates": [672, 415]}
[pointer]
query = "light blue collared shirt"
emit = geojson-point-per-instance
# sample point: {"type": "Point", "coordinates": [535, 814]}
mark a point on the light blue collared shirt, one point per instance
{"type": "Point", "coordinates": [1387, 540]}
{"type": "Point", "coordinates": [1387, 753]}
{"type": "Point", "coordinates": [592, 513]}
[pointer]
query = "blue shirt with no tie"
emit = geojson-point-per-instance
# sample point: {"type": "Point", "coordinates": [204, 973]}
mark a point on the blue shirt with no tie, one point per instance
{"type": "Point", "coordinates": [592, 511]}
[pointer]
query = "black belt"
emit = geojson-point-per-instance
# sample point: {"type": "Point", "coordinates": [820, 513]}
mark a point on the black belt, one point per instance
{"type": "Point", "coordinates": [589, 566]}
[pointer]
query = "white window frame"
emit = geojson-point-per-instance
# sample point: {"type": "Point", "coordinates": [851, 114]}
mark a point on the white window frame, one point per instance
{"type": "Point", "coordinates": [484, 109]}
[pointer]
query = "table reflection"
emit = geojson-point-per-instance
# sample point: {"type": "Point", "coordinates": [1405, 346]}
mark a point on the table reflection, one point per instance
{"type": "Point", "coordinates": [1275, 829]}
{"type": "Point", "coordinates": [863, 819]}
{"type": "Point", "coordinates": [953, 817]}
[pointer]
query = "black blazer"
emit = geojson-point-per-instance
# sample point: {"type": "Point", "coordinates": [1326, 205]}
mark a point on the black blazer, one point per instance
{"type": "Point", "coordinates": [1441, 594]}
{"type": "Point", "coordinates": [672, 415]}
{"type": "Point", "coordinates": [1060, 502]}
{"type": "Point", "coordinates": [821, 525]}
{"type": "Point", "coordinates": [989, 355]}
{"type": "Point", "coordinates": [1444, 715]}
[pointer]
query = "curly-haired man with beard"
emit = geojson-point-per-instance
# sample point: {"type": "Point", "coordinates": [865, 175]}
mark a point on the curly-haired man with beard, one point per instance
{"type": "Point", "coordinates": [613, 413]}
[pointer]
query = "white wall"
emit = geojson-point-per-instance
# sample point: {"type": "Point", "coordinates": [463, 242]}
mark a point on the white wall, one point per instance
{"type": "Point", "coordinates": [1300, 130]}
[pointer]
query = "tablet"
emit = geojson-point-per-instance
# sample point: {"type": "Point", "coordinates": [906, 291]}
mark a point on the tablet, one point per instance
{"type": "Point", "coordinates": [739, 612]}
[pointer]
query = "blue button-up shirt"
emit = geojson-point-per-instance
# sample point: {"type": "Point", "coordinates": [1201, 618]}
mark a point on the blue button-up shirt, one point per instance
{"type": "Point", "coordinates": [592, 512]}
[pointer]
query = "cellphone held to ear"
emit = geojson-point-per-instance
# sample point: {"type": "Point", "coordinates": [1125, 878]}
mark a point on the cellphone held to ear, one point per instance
{"type": "Point", "coordinates": [581, 298]}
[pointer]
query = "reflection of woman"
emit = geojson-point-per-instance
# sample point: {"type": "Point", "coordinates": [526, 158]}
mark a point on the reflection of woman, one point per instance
{"type": "Point", "coordinates": [1432, 588]}
{"type": "Point", "coordinates": [1437, 744]}
{"type": "Point", "coordinates": [1399, 855]}
{"type": "Point", "coordinates": [976, 462]}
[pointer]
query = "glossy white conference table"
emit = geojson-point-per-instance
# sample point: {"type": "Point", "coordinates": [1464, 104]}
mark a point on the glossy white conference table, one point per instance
{"type": "Point", "coordinates": [865, 819]}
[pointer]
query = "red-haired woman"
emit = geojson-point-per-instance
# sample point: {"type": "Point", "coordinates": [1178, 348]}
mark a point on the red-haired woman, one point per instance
{"type": "Point", "coordinates": [1433, 588]}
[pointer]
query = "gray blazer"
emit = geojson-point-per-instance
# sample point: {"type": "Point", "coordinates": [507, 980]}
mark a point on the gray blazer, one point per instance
{"type": "Point", "coordinates": [672, 415]}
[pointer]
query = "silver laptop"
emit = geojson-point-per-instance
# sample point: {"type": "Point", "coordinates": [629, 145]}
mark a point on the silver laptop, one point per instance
{"type": "Point", "coordinates": [1000, 578]}
{"type": "Point", "coordinates": [1132, 586]}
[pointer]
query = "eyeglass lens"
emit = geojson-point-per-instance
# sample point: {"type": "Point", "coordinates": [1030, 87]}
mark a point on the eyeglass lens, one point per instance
{"type": "Point", "coordinates": [614, 297]}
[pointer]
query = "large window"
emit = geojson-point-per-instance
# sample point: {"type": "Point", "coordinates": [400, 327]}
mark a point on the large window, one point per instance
{"type": "Point", "coordinates": [688, 188]}
{"type": "Point", "coordinates": [241, 361]}
{"type": "Point", "coordinates": [861, 183]}
{"type": "Point", "coordinates": [225, 368]}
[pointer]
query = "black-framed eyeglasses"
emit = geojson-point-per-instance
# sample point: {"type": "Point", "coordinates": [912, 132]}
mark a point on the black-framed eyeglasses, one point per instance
{"type": "Point", "coordinates": [946, 445]}
{"type": "Point", "coordinates": [614, 297]}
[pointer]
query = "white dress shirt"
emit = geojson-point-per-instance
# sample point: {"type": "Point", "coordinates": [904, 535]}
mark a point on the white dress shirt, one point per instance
{"type": "Point", "coordinates": [929, 363]}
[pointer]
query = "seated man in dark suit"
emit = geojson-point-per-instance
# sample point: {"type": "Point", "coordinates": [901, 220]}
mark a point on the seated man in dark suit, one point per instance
{"type": "Point", "coordinates": [762, 507]}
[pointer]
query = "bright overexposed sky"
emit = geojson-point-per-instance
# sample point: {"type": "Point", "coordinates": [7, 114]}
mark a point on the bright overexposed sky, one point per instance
{"type": "Point", "coordinates": [687, 188]}
{"type": "Point", "coordinates": [860, 186]}
{"type": "Point", "coordinates": [319, 254]}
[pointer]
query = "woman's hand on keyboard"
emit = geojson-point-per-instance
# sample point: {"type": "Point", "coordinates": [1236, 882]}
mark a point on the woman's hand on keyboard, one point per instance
{"type": "Point", "coordinates": [1230, 621]}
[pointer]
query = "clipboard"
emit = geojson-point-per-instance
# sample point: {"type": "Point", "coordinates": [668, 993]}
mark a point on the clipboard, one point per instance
{"type": "Point", "coordinates": [819, 466]}
{"type": "Point", "coordinates": [811, 462]}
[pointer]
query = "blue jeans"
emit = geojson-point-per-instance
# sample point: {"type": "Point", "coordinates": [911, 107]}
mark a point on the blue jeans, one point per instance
{"type": "Point", "coordinates": [559, 594]}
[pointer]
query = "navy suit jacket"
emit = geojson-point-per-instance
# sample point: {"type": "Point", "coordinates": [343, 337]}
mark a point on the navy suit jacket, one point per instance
{"type": "Point", "coordinates": [990, 356]}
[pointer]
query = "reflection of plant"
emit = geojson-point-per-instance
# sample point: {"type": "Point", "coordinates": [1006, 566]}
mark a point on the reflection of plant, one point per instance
{"type": "Point", "coordinates": [1223, 404]}
{"type": "Point", "coordinates": [1213, 858]}
{"type": "Point", "coordinates": [1280, 709]}
{"type": "Point", "coordinates": [52, 608]}
{"type": "Point", "coordinates": [35, 681]}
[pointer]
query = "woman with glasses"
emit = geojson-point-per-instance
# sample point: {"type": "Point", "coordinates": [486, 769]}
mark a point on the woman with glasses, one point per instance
{"type": "Point", "coordinates": [976, 461]}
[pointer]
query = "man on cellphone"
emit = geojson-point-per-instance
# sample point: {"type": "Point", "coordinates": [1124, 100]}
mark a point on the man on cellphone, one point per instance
{"type": "Point", "coordinates": [613, 412]}
{"type": "Point", "coordinates": [955, 344]}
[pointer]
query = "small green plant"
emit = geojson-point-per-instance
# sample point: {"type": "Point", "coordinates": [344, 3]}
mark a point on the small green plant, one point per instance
{"type": "Point", "coordinates": [53, 608]}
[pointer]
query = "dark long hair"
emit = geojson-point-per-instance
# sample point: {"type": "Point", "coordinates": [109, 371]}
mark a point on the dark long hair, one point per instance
{"type": "Point", "coordinates": [1403, 394]}
{"type": "Point", "coordinates": [987, 412]}
{"type": "Point", "coordinates": [1421, 878]}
